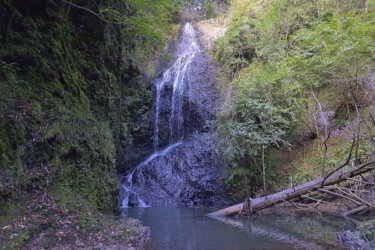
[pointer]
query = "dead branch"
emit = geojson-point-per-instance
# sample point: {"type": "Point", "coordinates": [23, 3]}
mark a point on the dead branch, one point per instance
{"type": "Point", "coordinates": [329, 135]}
{"type": "Point", "coordinates": [363, 178]}
{"type": "Point", "coordinates": [361, 167]}
{"type": "Point", "coordinates": [355, 210]}
{"type": "Point", "coordinates": [361, 191]}
{"type": "Point", "coordinates": [297, 205]}
{"type": "Point", "coordinates": [356, 197]}
{"type": "Point", "coordinates": [312, 193]}
{"type": "Point", "coordinates": [85, 9]}
{"type": "Point", "coordinates": [343, 165]}
{"type": "Point", "coordinates": [359, 181]}
{"type": "Point", "coordinates": [319, 201]}
{"type": "Point", "coordinates": [372, 118]}
{"type": "Point", "coordinates": [325, 132]}
{"type": "Point", "coordinates": [358, 130]}
{"type": "Point", "coordinates": [90, 11]}
{"type": "Point", "coordinates": [339, 195]}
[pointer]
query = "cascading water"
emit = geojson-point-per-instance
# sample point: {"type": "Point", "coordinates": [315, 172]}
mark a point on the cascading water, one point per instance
{"type": "Point", "coordinates": [187, 50]}
{"type": "Point", "coordinates": [129, 179]}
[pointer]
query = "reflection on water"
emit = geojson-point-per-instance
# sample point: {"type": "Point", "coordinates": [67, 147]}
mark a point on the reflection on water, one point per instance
{"type": "Point", "coordinates": [187, 228]}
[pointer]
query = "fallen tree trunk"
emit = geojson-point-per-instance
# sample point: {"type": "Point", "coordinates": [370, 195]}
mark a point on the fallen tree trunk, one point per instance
{"type": "Point", "coordinates": [291, 193]}
{"type": "Point", "coordinates": [355, 210]}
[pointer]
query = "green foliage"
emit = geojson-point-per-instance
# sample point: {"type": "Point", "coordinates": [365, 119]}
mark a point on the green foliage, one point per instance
{"type": "Point", "coordinates": [336, 47]}
{"type": "Point", "coordinates": [209, 9]}
{"type": "Point", "coordinates": [275, 53]}
{"type": "Point", "coordinates": [9, 73]}
{"type": "Point", "coordinates": [67, 80]}
{"type": "Point", "coordinates": [144, 23]}
{"type": "Point", "coordinates": [236, 47]}
{"type": "Point", "coordinates": [263, 108]}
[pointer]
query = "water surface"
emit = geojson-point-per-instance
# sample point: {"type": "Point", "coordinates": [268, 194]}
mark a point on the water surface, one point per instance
{"type": "Point", "coordinates": [187, 228]}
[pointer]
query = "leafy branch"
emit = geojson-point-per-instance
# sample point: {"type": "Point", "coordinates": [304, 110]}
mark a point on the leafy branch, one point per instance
{"type": "Point", "coordinates": [90, 11]}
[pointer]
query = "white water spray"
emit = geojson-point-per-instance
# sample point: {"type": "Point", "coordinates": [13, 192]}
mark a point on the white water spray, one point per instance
{"type": "Point", "coordinates": [188, 48]}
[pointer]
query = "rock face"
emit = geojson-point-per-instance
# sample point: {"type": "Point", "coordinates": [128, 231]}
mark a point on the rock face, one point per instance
{"type": "Point", "coordinates": [199, 100]}
{"type": "Point", "coordinates": [185, 168]}
{"type": "Point", "coordinates": [188, 175]}
{"type": "Point", "coordinates": [201, 106]}
{"type": "Point", "coordinates": [211, 30]}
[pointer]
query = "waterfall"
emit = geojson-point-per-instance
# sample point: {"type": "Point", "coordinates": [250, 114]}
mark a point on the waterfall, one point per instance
{"type": "Point", "coordinates": [159, 87]}
{"type": "Point", "coordinates": [187, 50]}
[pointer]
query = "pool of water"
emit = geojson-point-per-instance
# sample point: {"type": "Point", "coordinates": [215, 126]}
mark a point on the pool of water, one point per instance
{"type": "Point", "coordinates": [188, 228]}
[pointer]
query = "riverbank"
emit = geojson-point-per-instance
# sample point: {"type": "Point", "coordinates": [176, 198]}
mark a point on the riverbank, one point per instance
{"type": "Point", "coordinates": [60, 220]}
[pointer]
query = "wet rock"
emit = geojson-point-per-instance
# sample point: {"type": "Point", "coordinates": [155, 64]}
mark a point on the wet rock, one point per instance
{"type": "Point", "coordinates": [196, 74]}
{"type": "Point", "coordinates": [200, 107]}
{"type": "Point", "coordinates": [359, 239]}
{"type": "Point", "coordinates": [133, 200]}
{"type": "Point", "coordinates": [188, 175]}
{"type": "Point", "coordinates": [185, 107]}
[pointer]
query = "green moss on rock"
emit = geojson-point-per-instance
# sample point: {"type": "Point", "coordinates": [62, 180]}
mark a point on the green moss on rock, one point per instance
{"type": "Point", "coordinates": [67, 85]}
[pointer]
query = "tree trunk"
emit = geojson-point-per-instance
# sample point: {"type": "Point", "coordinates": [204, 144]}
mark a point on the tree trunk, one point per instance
{"type": "Point", "coordinates": [291, 193]}
{"type": "Point", "coordinates": [264, 172]}
{"type": "Point", "coordinates": [355, 210]}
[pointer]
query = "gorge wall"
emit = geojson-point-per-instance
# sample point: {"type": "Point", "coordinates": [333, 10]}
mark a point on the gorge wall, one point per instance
{"type": "Point", "coordinates": [69, 111]}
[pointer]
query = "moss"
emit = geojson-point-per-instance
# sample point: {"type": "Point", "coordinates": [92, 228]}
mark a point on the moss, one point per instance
{"type": "Point", "coordinates": [128, 234]}
{"type": "Point", "coordinates": [37, 109]}
{"type": "Point", "coordinates": [3, 149]}
{"type": "Point", "coordinates": [7, 212]}
{"type": "Point", "coordinates": [19, 240]}
{"type": "Point", "coordinates": [69, 109]}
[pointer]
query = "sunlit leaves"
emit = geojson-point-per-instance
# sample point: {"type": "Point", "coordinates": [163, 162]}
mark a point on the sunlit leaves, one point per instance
{"type": "Point", "coordinates": [144, 22]}
{"type": "Point", "coordinates": [298, 45]}
{"type": "Point", "coordinates": [332, 48]}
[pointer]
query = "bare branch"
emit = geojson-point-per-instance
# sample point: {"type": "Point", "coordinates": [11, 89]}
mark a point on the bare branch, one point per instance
{"type": "Point", "coordinates": [339, 195]}
{"type": "Point", "coordinates": [353, 190]}
{"type": "Point", "coordinates": [90, 11]}
{"type": "Point", "coordinates": [325, 122]}
{"type": "Point", "coordinates": [343, 165]}
{"type": "Point", "coordinates": [356, 197]}
{"type": "Point", "coordinates": [372, 118]}
{"type": "Point", "coordinates": [329, 135]}
{"type": "Point", "coordinates": [355, 210]}
{"type": "Point", "coordinates": [321, 110]}
{"type": "Point", "coordinates": [319, 201]}
{"type": "Point", "coordinates": [363, 182]}
{"type": "Point", "coordinates": [86, 9]}
{"type": "Point", "coordinates": [358, 130]}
